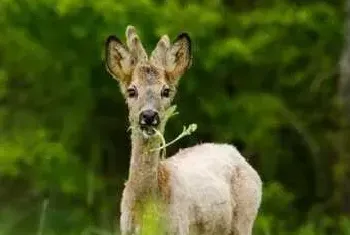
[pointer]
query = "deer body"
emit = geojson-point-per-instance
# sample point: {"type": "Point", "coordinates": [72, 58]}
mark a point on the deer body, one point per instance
{"type": "Point", "coordinates": [214, 191]}
{"type": "Point", "coordinates": [208, 189]}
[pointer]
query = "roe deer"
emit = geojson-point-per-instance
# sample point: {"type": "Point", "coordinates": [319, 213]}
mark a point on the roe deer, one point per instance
{"type": "Point", "coordinates": [208, 189]}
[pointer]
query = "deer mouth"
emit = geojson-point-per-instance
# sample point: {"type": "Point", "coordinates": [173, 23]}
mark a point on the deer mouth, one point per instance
{"type": "Point", "coordinates": [147, 130]}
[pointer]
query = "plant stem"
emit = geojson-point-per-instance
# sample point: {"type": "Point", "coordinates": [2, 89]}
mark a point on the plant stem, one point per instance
{"type": "Point", "coordinates": [43, 216]}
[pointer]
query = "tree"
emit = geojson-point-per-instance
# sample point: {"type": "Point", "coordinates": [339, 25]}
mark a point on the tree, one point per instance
{"type": "Point", "coordinates": [344, 98]}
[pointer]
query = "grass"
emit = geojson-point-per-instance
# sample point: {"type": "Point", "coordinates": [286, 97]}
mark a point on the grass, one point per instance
{"type": "Point", "coordinates": [43, 221]}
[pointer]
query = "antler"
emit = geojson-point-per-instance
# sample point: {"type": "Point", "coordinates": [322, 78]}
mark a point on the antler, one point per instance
{"type": "Point", "coordinates": [134, 44]}
{"type": "Point", "coordinates": [158, 55]}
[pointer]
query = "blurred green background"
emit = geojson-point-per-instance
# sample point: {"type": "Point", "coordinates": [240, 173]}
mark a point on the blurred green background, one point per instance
{"type": "Point", "coordinates": [264, 77]}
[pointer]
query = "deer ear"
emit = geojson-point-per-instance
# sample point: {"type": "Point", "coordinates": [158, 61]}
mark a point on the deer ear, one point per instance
{"type": "Point", "coordinates": [179, 57]}
{"type": "Point", "coordinates": [119, 61]}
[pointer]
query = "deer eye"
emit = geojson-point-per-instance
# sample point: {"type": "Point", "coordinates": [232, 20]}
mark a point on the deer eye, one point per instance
{"type": "Point", "coordinates": [165, 92]}
{"type": "Point", "coordinates": [132, 92]}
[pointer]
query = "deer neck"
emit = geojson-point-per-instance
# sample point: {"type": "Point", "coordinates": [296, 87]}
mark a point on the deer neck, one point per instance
{"type": "Point", "coordinates": [144, 165]}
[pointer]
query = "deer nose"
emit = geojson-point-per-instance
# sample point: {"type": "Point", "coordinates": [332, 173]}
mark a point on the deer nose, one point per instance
{"type": "Point", "coordinates": [149, 117]}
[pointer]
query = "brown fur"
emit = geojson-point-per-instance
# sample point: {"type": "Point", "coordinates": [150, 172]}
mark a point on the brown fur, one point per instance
{"type": "Point", "coordinates": [163, 182]}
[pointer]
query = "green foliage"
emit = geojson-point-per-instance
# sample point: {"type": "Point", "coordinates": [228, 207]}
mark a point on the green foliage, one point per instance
{"type": "Point", "coordinates": [263, 78]}
{"type": "Point", "coordinates": [152, 221]}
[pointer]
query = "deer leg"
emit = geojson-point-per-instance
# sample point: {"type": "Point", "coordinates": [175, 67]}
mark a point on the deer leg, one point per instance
{"type": "Point", "coordinates": [247, 195]}
{"type": "Point", "coordinates": [126, 226]}
{"type": "Point", "coordinates": [178, 223]}
{"type": "Point", "coordinates": [127, 222]}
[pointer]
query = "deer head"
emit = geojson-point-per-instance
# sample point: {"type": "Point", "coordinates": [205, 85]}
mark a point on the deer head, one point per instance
{"type": "Point", "coordinates": [148, 84]}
